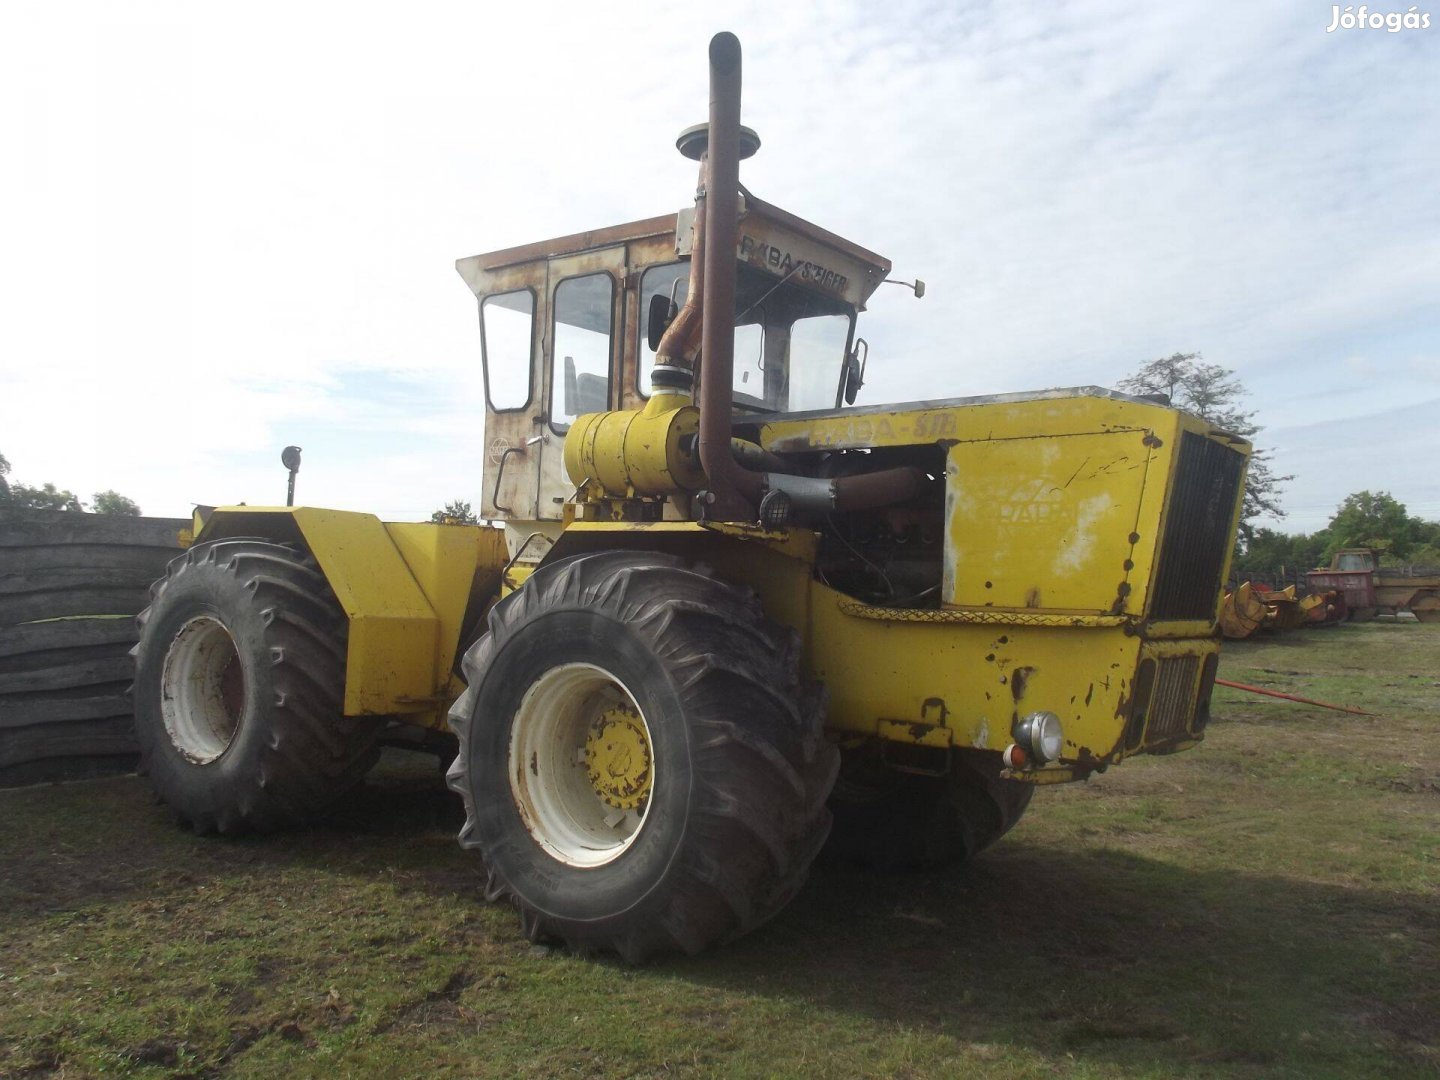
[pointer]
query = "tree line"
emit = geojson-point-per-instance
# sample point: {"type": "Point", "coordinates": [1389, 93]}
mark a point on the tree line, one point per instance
{"type": "Point", "coordinates": [1366, 519]}
{"type": "Point", "coordinates": [48, 497]}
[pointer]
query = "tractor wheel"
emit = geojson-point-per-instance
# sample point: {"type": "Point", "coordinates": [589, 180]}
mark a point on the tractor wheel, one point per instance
{"type": "Point", "coordinates": [239, 686]}
{"type": "Point", "coordinates": [895, 820]}
{"type": "Point", "coordinates": [641, 767]}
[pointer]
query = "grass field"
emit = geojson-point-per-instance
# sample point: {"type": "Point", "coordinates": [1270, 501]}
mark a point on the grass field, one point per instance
{"type": "Point", "coordinates": [1265, 905]}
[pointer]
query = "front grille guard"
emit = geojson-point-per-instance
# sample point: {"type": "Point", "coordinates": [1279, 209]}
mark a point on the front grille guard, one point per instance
{"type": "Point", "coordinates": [1170, 702]}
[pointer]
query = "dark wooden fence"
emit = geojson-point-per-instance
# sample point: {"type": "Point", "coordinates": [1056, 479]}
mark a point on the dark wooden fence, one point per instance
{"type": "Point", "coordinates": [71, 585]}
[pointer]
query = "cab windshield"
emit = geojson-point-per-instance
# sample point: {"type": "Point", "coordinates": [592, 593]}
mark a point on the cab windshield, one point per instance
{"type": "Point", "coordinates": [790, 342]}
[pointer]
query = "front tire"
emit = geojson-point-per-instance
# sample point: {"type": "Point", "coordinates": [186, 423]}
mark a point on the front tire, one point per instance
{"type": "Point", "coordinates": [239, 689]}
{"type": "Point", "coordinates": [641, 767]}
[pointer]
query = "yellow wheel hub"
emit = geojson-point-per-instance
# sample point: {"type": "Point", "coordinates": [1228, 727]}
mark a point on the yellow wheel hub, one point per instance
{"type": "Point", "coordinates": [617, 757]}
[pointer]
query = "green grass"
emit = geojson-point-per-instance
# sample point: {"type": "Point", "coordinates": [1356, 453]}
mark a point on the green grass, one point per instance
{"type": "Point", "coordinates": [1264, 905]}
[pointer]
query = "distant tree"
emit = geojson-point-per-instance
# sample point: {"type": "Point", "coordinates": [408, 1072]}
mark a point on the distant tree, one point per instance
{"type": "Point", "coordinates": [1213, 393]}
{"type": "Point", "coordinates": [1377, 520]}
{"type": "Point", "coordinates": [112, 502]}
{"type": "Point", "coordinates": [48, 497]}
{"type": "Point", "coordinates": [456, 512]}
{"type": "Point", "coordinates": [1426, 555]}
{"type": "Point", "coordinates": [4, 484]}
{"type": "Point", "coordinates": [1267, 550]}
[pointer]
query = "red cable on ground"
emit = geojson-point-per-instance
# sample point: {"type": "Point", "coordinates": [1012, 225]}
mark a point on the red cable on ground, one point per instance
{"type": "Point", "coordinates": [1293, 697]}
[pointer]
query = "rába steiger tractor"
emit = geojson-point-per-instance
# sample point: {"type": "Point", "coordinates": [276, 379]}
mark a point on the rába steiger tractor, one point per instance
{"type": "Point", "coordinates": [724, 606]}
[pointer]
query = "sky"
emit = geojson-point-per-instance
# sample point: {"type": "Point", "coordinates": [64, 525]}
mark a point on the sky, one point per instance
{"type": "Point", "coordinates": [229, 228]}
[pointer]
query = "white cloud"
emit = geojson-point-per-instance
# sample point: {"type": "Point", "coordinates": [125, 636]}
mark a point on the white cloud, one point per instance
{"type": "Point", "coordinates": [1334, 458]}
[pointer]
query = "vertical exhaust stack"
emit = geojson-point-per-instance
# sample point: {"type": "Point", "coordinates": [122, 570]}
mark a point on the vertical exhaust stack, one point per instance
{"type": "Point", "coordinates": [734, 492]}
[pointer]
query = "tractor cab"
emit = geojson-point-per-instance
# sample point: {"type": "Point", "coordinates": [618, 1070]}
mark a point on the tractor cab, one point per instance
{"type": "Point", "coordinates": [571, 326]}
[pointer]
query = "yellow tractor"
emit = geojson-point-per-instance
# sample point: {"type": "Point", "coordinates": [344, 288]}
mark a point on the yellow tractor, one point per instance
{"type": "Point", "coordinates": [727, 606]}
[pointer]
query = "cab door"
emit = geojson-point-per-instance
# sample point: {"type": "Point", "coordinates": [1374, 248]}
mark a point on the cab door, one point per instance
{"type": "Point", "coordinates": [586, 312]}
{"type": "Point", "coordinates": [513, 316]}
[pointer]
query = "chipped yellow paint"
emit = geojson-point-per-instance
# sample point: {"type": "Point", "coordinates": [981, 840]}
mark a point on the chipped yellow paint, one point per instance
{"type": "Point", "coordinates": [916, 733]}
{"type": "Point", "coordinates": [618, 758]}
{"type": "Point", "coordinates": [1046, 523]}
{"type": "Point", "coordinates": [984, 675]}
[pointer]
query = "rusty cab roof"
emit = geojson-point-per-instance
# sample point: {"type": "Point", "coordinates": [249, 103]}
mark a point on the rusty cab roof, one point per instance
{"type": "Point", "coordinates": [771, 239]}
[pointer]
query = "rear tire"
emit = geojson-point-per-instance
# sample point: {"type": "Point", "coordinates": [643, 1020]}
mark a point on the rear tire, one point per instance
{"type": "Point", "coordinates": [239, 689]}
{"type": "Point", "coordinates": [894, 820]}
{"type": "Point", "coordinates": [705, 817]}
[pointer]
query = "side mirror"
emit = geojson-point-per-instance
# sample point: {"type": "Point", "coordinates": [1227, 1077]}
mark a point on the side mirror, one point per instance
{"type": "Point", "coordinates": [662, 313]}
{"type": "Point", "coordinates": [855, 370]}
{"type": "Point", "coordinates": [919, 288]}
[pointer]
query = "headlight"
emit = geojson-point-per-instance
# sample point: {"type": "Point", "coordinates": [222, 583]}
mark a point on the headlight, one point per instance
{"type": "Point", "coordinates": [1039, 734]}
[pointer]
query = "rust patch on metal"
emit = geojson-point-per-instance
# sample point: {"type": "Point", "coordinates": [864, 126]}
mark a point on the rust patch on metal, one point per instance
{"type": "Point", "coordinates": [1019, 680]}
{"type": "Point", "coordinates": [1152, 440]}
{"type": "Point", "coordinates": [1127, 693]}
{"type": "Point", "coordinates": [1032, 597]}
{"type": "Point", "coordinates": [937, 704]}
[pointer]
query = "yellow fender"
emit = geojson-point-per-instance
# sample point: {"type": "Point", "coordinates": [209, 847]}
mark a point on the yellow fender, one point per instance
{"type": "Point", "coordinates": [405, 587]}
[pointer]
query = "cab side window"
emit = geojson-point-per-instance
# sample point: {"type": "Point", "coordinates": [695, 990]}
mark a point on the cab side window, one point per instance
{"type": "Point", "coordinates": [580, 376]}
{"type": "Point", "coordinates": [673, 280]}
{"type": "Point", "coordinates": [507, 330]}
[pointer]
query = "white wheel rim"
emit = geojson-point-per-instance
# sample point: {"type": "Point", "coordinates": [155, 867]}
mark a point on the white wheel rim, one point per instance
{"type": "Point", "coordinates": [201, 691]}
{"type": "Point", "coordinates": [549, 779]}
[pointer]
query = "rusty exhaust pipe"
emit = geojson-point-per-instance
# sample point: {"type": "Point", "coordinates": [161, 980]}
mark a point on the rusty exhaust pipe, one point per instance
{"type": "Point", "coordinates": [680, 344]}
{"type": "Point", "coordinates": [734, 491]}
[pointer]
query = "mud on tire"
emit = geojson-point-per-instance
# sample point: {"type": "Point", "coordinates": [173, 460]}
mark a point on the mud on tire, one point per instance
{"type": "Point", "coordinates": [239, 689]}
{"type": "Point", "coordinates": [735, 813]}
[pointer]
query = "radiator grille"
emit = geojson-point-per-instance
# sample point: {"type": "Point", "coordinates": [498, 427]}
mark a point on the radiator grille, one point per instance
{"type": "Point", "coordinates": [1172, 701]}
{"type": "Point", "coordinates": [1197, 533]}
